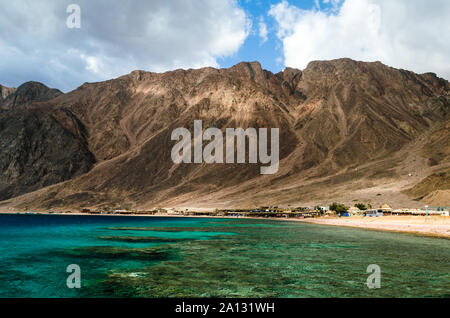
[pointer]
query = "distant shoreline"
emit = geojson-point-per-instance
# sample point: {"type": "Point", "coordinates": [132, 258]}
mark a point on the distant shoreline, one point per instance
{"type": "Point", "coordinates": [438, 227]}
{"type": "Point", "coordinates": [416, 225]}
{"type": "Point", "coordinates": [146, 215]}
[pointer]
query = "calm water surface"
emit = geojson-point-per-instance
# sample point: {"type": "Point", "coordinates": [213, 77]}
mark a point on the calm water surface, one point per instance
{"type": "Point", "coordinates": [186, 257]}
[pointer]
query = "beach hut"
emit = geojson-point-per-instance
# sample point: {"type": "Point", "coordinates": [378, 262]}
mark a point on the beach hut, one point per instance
{"type": "Point", "coordinates": [386, 209]}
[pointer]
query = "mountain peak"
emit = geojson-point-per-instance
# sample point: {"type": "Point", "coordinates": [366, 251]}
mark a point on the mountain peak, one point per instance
{"type": "Point", "coordinates": [35, 87]}
{"type": "Point", "coordinates": [26, 94]}
{"type": "Point", "coordinates": [252, 67]}
{"type": "Point", "coordinates": [252, 70]}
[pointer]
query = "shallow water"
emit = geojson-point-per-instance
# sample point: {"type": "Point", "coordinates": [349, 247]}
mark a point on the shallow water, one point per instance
{"type": "Point", "coordinates": [187, 257]}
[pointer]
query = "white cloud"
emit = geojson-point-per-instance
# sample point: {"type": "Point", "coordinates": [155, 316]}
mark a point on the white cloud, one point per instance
{"type": "Point", "coordinates": [409, 34]}
{"type": "Point", "coordinates": [157, 35]}
{"type": "Point", "coordinates": [263, 33]}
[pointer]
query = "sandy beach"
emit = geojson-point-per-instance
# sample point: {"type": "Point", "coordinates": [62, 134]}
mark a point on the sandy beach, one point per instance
{"type": "Point", "coordinates": [429, 226]}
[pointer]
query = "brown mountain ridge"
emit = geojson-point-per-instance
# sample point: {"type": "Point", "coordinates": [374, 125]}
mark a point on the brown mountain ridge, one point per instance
{"type": "Point", "coordinates": [349, 131]}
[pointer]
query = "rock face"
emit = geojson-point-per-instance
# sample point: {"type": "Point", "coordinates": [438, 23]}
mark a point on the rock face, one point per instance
{"type": "Point", "coordinates": [5, 92]}
{"type": "Point", "coordinates": [348, 130]}
{"type": "Point", "coordinates": [22, 97]}
{"type": "Point", "coordinates": [435, 183]}
{"type": "Point", "coordinates": [39, 147]}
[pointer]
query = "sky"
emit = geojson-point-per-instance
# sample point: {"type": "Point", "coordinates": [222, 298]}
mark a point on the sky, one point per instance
{"type": "Point", "coordinates": [64, 46]}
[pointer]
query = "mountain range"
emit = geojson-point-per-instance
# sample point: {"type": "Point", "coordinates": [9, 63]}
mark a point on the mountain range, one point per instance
{"type": "Point", "coordinates": [349, 132]}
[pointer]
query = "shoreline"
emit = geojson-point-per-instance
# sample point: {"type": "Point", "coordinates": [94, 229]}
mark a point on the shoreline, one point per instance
{"type": "Point", "coordinates": [159, 215]}
{"type": "Point", "coordinates": [438, 227]}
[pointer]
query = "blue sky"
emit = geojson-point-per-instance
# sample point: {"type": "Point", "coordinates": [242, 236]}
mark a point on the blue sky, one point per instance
{"type": "Point", "coordinates": [269, 53]}
{"type": "Point", "coordinates": [40, 42]}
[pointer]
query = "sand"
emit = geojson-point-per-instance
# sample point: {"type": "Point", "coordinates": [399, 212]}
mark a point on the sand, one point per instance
{"type": "Point", "coordinates": [429, 226]}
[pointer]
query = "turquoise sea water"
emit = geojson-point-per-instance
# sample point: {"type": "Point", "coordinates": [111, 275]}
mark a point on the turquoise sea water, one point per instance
{"type": "Point", "coordinates": [187, 257]}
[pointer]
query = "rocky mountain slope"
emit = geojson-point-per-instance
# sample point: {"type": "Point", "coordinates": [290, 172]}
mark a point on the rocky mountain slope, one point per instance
{"type": "Point", "coordinates": [38, 146]}
{"type": "Point", "coordinates": [348, 131]}
{"type": "Point", "coordinates": [435, 184]}
{"type": "Point", "coordinates": [23, 97]}
{"type": "Point", "coordinates": [5, 92]}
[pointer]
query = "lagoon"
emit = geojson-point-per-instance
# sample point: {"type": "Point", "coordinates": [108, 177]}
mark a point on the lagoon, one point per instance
{"type": "Point", "coordinates": [207, 257]}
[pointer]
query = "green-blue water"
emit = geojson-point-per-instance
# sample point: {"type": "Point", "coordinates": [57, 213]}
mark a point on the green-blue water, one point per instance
{"type": "Point", "coordinates": [186, 257]}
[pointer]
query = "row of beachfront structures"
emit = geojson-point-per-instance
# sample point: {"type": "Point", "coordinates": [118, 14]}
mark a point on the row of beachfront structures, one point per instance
{"type": "Point", "coordinates": [274, 211]}
{"type": "Point", "coordinates": [324, 211]}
